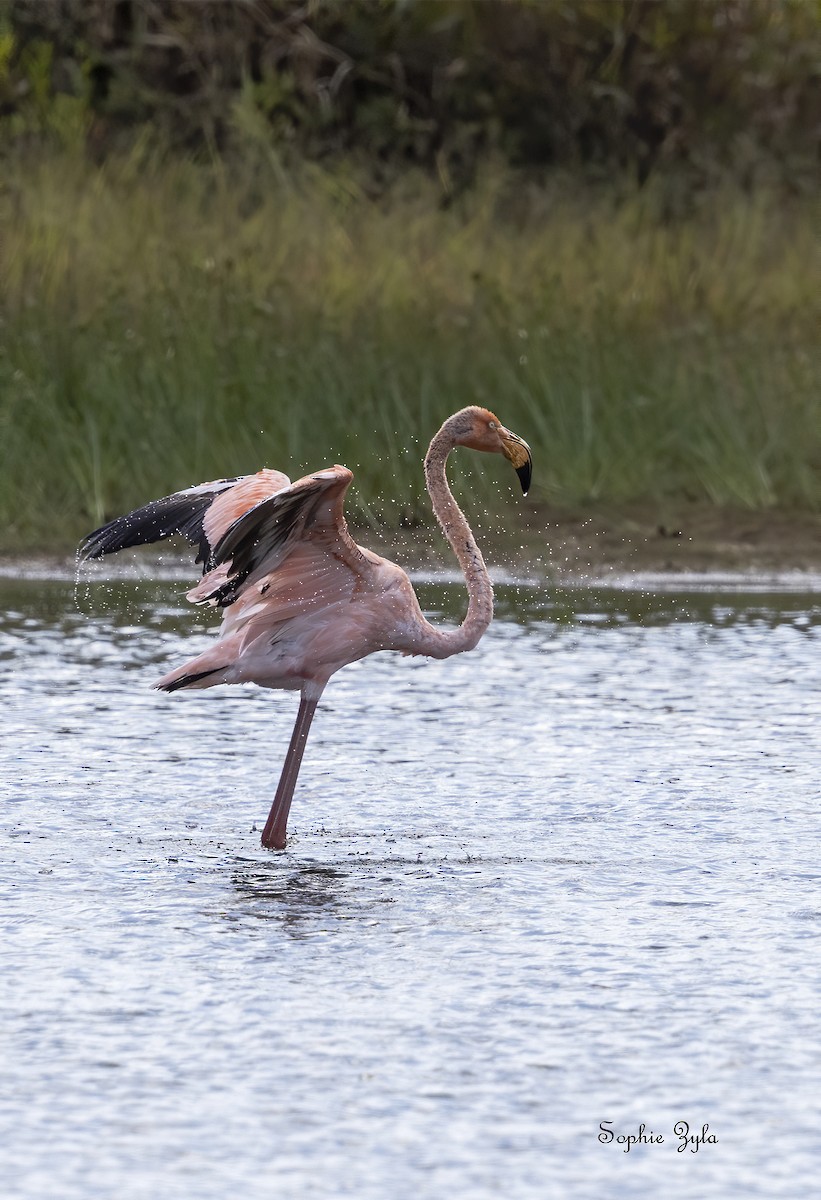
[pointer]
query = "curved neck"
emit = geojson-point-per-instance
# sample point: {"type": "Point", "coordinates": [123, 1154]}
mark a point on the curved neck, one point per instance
{"type": "Point", "coordinates": [457, 531]}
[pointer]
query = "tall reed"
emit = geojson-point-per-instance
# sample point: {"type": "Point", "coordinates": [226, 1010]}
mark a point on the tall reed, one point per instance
{"type": "Point", "coordinates": [165, 322]}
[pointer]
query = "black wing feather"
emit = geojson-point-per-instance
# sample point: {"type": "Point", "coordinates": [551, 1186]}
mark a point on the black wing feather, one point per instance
{"type": "Point", "coordinates": [262, 535]}
{"type": "Point", "coordinates": [182, 513]}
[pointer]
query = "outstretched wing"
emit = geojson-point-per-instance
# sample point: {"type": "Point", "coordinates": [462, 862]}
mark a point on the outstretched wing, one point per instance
{"type": "Point", "coordinates": [257, 544]}
{"type": "Point", "coordinates": [201, 514]}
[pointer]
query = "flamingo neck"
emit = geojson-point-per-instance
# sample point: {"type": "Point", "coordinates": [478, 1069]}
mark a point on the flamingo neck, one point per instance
{"type": "Point", "coordinates": [459, 535]}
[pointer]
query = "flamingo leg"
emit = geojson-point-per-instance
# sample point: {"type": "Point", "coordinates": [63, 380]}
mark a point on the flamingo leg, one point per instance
{"type": "Point", "coordinates": [274, 833]}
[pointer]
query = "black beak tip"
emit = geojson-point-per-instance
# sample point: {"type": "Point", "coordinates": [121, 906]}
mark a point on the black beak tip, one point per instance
{"type": "Point", "coordinates": [525, 472]}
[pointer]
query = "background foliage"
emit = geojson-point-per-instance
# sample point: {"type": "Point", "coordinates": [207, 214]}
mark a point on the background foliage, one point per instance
{"type": "Point", "coordinates": [698, 87]}
{"type": "Point", "coordinates": [254, 232]}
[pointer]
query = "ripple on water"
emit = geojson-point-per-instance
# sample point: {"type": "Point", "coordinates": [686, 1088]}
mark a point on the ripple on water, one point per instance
{"type": "Point", "coordinates": [569, 878]}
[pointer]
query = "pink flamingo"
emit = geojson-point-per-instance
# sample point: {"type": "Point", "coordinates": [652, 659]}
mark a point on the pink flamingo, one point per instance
{"type": "Point", "coordinates": [300, 598]}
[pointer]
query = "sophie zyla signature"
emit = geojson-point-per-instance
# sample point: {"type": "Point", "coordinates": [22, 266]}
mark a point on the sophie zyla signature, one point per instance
{"type": "Point", "coordinates": [686, 1140]}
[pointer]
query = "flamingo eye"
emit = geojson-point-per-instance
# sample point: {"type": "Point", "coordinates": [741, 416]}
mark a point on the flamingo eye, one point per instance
{"type": "Point", "coordinates": [491, 424]}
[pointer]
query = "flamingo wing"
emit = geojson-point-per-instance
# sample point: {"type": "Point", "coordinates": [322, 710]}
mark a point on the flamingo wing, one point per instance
{"type": "Point", "coordinates": [200, 514]}
{"type": "Point", "coordinates": [308, 514]}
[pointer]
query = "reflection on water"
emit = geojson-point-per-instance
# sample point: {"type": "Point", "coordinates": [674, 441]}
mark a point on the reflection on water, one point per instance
{"type": "Point", "coordinates": [155, 605]}
{"type": "Point", "coordinates": [292, 896]}
{"type": "Point", "coordinates": [570, 877]}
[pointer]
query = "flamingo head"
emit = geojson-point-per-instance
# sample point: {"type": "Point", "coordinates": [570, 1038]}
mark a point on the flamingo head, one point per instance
{"type": "Point", "coordinates": [479, 429]}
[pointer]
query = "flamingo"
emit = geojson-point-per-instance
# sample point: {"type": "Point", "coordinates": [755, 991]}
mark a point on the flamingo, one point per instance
{"type": "Point", "coordinates": [300, 598]}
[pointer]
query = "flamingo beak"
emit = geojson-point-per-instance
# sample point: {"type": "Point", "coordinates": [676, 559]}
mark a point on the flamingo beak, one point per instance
{"type": "Point", "coordinates": [517, 452]}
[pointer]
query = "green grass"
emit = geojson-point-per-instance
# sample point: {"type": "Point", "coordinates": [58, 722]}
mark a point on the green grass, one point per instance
{"type": "Point", "coordinates": [163, 323]}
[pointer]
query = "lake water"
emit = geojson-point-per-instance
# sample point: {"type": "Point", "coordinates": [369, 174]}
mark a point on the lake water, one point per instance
{"type": "Point", "coordinates": [568, 879]}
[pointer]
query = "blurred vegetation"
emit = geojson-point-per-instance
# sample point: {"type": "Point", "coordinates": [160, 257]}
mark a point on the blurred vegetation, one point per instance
{"type": "Point", "coordinates": [244, 233]}
{"type": "Point", "coordinates": [696, 88]}
{"type": "Point", "coordinates": [164, 323]}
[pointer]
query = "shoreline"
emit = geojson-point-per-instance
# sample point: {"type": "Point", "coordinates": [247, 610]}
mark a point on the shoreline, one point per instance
{"type": "Point", "coordinates": [657, 548]}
